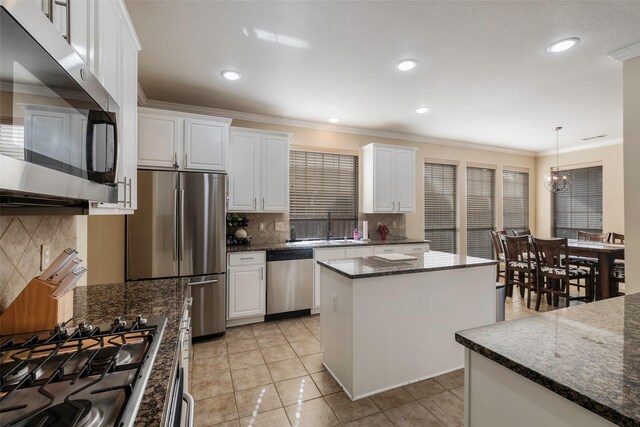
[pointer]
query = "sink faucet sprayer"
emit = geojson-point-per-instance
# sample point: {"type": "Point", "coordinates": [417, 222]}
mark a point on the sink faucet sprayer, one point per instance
{"type": "Point", "coordinates": [328, 226]}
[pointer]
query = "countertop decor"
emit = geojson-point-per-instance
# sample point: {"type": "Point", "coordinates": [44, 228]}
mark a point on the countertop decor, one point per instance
{"type": "Point", "coordinates": [301, 244]}
{"type": "Point", "coordinates": [588, 354]}
{"type": "Point", "coordinates": [359, 268]}
{"type": "Point", "coordinates": [102, 303]}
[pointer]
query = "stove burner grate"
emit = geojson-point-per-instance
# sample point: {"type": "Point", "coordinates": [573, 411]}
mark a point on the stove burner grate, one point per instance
{"type": "Point", "coordinates": [62, 414]}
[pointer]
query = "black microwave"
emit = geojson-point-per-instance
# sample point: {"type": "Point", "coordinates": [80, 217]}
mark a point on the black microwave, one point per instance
{"type": "Point", "coordinates": [58, 124]}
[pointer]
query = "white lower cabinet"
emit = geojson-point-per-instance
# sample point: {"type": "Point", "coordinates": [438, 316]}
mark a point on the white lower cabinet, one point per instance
{"type": "Point", "coordinates": [322, 255]}
{"type": "Point", "coordinates": [247, 291]}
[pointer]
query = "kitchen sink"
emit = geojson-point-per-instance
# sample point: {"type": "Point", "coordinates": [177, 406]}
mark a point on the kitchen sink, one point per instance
{"type": "Point", "coordinates": [317, 243]}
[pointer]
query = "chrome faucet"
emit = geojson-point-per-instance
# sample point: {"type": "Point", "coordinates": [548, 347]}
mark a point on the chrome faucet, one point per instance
{"type": "Point", "coordinates": [328, 226]}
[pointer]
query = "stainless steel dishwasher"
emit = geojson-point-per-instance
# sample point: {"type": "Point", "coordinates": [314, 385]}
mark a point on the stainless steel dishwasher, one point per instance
{"type": "Point", "coordinates": [289, 282]}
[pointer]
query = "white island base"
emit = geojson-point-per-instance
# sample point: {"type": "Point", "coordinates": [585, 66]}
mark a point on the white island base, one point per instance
{"type": "Point", "coordinates": [379, 333]}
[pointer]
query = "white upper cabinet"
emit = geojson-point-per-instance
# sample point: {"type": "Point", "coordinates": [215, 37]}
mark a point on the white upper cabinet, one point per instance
{"type": "Point", "coordinates": [109, 38]}
{"type": "Point", "coordinates": [388, 178]}
{"type": "Point", "coordinates": [205, 143]}
{"type": "Point", "coordinates": [174, 140]}
{"type": "Point", "coordinates": [258, 171]}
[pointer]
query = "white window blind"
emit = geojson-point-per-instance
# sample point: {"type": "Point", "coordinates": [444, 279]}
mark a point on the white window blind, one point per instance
{"type": "Point", "coordinates": [440, 206]}
{"type": "Point", "coordinates": [12, 141]}
{"type": "Point", "coordinates": [580, 207]}
{"type": "Point", "coordinates": [322, 183]}
{"type": "Point", "coordinates": [515, 200]}
{"type": "Point", "coordinates": [480, 211]}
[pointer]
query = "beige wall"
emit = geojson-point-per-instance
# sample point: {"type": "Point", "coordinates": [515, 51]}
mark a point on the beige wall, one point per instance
{"type": "Point", "coordinates": [437, 149]}
{"type": "Point", "coordinates": [631, 78]}
{"type": "Point", "coordinates": [611, 159]}
{"type": "Point", "coordinates": [106, 249]}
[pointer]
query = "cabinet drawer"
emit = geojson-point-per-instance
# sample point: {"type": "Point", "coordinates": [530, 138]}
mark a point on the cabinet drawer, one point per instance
{"type": "Point", "coordinates": [416, 249]}
{"type": "Point", "coordinates": [247, 258]}
{"type": "Point", "coordinates": [387, 249]}
{"type": "Point", "coordinates": [358, 252]}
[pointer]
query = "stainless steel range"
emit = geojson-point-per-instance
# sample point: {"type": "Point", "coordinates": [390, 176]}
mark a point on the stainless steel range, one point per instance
{"type": "Point", "coordinates": [84, 376]}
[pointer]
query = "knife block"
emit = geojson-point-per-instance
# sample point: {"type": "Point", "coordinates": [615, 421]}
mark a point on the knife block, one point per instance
{"type": "Point", "coordinates": [36, 310]}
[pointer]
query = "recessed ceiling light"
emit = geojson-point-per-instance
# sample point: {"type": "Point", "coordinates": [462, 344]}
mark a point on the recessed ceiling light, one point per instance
{"type": "Point", "coordinates": [231, 75]}
{"type": "Point", "coordinates": [563, 45]}
{"type": "Point", "coordinates": [407, 64]}
{"type": "Point", "coordinates": [334, 120]}
{"type": "Point", "coordinates": [422, 110]}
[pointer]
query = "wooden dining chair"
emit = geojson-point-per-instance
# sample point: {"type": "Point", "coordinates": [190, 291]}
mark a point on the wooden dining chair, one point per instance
{"type": "Point", "coordinates": [618, 273]}
{"type": "Point", "coordinates": [499, 254]}
{"type": "Point", "coordinates": [525, 232]}
{"type": "Point", "coordinates": [520, 267]}
{"type": "Point", "coordinates": [589, 263]}
{"type": "Point", "coordinates": [593, 237]}
{"type": "Point", "coordinates": [617, 239]}
{"type": "Point", "coordinates": [554, 275]}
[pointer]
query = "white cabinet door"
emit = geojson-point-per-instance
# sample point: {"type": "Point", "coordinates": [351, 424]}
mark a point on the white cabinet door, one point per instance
{"type": "Point", "coordinates": [275, 174]}
{"type": "Point", "coordinates": [247, 292]}
{"type": "Point", "coordinates": [244, 171]}
{"type": "Point", "coordinates": [81, 28]}
{"type": "Point", "coordinates": [159, 140]}
{"type": "Point", "coordinates": [383, 182]}
{"type": "Point", "coordinates": [205, 145]}
{"type": "Point", "coordinates": [404, 180]}
{"type": "Point", "coordinates": [322, 255]}
{"type": "Point", "coordinates": [108, 41]}
{"type": "Point", "coordinates": [129, 120]}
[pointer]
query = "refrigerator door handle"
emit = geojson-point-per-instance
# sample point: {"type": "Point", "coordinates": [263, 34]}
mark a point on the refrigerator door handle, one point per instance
{"type": "Point", "coordinates": [174, 247]}
{"type": "Point", "coordinates": [205, 282]}
{"type": "Point", "coordinates": [181, 225]}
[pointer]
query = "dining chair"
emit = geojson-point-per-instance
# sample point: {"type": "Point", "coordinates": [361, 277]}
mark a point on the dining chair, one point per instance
{"type": "Point", "coordinates": [525, 232]}
{"type": "Point", "coordinates": [593, 237]}
{"type": "Point", "coordinates": [589, 263]}
{"type": "Point", "coordinates": [520, 267]}
{"type": "Point", "coordinates": [554, 275]}
{"type": "Point", "coordinates": [499, 254]}
{"type": "Point", "coordinates": [618, 272]}
{"type": "Point", "coordinates": [617, 239]}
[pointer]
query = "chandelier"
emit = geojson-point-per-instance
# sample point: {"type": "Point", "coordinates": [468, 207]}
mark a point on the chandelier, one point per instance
{"type": "Point", "coordinates": [557, 181]}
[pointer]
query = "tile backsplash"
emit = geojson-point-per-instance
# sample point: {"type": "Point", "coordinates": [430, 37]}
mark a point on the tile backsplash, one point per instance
{"type": "Point", "coordinates": [270, 235]}
{"type": "Point", "coordinates": [20, 241]}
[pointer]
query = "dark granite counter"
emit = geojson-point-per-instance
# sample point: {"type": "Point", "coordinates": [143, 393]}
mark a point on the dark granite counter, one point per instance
{"type": "Point", "coordinates": [322, 244]}
{"type": "Point", "coordinates": [359, 268]}
{"type": "Point", "coordinates": [589, 354]}
{"type": "Point", "coordinates": [103, 303]}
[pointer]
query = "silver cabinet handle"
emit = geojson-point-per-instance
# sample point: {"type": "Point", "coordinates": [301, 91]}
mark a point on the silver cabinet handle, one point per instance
{"type": "Point", "coordinates": [204, 282]}
{"type": "Point", "coordinates": [185, 159]}
{"type": "Point", "coordinates": [175, 160]}
{"type": "Point", "coordinates": [261, 273]}
{"type": "Point", "coordinates": [181, 225]}
{"type": "Point", "coordinates": [255, 203]}
{"type": "Point", "coordinates": [190, 408]}
{"type": "Point", "coordinates": [263, 203]}
{"type": "Point", "coordinates": [246, 258]}
{"type": "Point", "coordinates": [398, 206]}
{"type": "Point", "coordinates": [394, 206]}
{"type": "Point", "coordinates": [130, 184]}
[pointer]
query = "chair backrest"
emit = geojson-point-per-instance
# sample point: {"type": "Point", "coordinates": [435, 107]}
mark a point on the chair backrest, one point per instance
{"type": "Point", "coordinates": [617, 238]}
{"type": "Point", "coordinates": [517, 248]}
{"type": "Point", "coordinates": [551, 253]}
{"type": "Point", "coordinates": [497, 244]}
{"type": "Point", "coordinates": [526, 232]}
{"type": "Point", "coordinates": [593, 237]}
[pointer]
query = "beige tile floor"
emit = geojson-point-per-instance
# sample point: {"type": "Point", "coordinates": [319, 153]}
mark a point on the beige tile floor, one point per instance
{"type": "Point", "coordinates": [271, 374]}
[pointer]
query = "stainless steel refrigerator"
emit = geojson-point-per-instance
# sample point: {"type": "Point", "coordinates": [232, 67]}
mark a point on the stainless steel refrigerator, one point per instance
{"type": "Point", "coordinates": [178, 230]}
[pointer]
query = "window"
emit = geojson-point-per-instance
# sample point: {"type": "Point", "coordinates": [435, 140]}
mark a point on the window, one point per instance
{"type": "Point", "coordinates": [515, 200]}
{"type": "Point", "coordinates": [580, 207]}
{"type": "Point", "coordinates": [12, 140]}
{"type": "Point", "coordinates": [440, 206]}
{"type": "Point", "coordinates": [480, 211]}
{"type": "Point", "coordinates": [322, 183]}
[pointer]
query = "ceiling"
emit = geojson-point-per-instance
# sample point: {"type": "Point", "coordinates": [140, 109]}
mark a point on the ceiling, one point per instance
{"type": "Point", "coordinates": [483, 68]}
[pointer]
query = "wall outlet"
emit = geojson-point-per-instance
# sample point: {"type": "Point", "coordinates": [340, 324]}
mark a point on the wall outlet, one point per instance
{"type": "Point", "coordinates": [394, 224]}
{"type": "Point", "coordinates": [45, 256]}
{"type": "Point", "coordinates": [261, 226]}
{"type": "Point", "coordinates": [280, 226]}
{"type": "Point", "coordinates": [335, 302]}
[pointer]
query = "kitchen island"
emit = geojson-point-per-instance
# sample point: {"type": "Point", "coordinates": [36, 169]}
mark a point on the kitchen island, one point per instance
{"type": "Point", "coordinates": [389, 323]}
{"type": "Point", "coordinates": [577, 366]}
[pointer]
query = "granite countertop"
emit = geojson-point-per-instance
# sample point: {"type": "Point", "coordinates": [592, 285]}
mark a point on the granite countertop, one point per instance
{"type": "Point", "coordinates": [102, 303]}
{"type": "Point", "coordinates": [598, 354]}
{"type": "Point", "coordinates": [359, 268]}
{"type": "Point", "coordinates": [322, 244]}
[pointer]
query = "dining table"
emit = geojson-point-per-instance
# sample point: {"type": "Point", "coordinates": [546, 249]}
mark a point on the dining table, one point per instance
{"type": "Point", "coordinates": [606, 254]}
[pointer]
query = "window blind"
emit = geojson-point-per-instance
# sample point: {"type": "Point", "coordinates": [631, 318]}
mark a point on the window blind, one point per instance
{"type": "Point", "coordinates": [320, 183]}
{"type": "Point", "coordinates": [440, 206]}
{"type": "Point", "coordinates": [580, 207]}
{"type": "Point", "coordinates": [12, 141]}
{"type": "Point", "coordinates": [480, 211]}
{"type": "Point", "coordinates": [515, 200]}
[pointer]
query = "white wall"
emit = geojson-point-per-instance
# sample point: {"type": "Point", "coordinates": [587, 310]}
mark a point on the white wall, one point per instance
{"type": "Point", "coordinates": [631, 78]}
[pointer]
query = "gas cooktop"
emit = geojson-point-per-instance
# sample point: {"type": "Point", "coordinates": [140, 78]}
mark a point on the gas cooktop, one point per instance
{"type": "Point", "coordinates": [82, 376]}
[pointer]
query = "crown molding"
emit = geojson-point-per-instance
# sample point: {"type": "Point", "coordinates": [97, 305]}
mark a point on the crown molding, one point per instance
{"type": "Point", "coordinates": [305, 124]}
{"type": "Point", "coordinates": [581, 147]}
{"type": "Point", "coordinates": [626, 53]}
{"type": "Point", "coordinates": [142, 98]}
